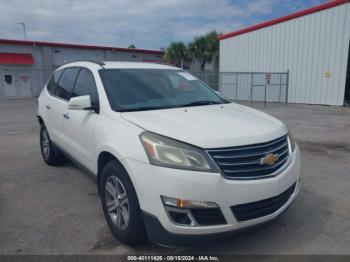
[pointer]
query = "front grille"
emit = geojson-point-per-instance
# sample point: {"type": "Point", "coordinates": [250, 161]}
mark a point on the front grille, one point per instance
{"type": "Point", "coordinates": [244, 162]}
{"type": "Point", "coordinates": [208, 216]}
{"type": "Point", "coordinates": [262, 208]}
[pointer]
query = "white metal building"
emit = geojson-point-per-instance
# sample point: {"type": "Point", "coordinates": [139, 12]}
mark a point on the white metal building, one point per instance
{"type": "Point", "coordinates": [26, 65]}
{"type": "Point", "coordinates": [313, 45]}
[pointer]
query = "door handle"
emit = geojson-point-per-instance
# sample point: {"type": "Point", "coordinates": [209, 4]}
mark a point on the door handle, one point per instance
{"type": "Point", "coordinates": [48, 107]}
{"type": "Point", "coordinates": [66, 116]}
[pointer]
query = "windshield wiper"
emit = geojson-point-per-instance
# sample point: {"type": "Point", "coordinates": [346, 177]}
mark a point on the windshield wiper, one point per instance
{"type": "Point", "coordinates": [145, 108]}
{"type": "Point", "coordinates": [201, 103]}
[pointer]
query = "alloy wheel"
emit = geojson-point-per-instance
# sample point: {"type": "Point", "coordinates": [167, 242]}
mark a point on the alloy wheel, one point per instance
{"type": "Point", "coordinates": [117, 202]}
{"type": "Point", "coordinates": [45, 144]}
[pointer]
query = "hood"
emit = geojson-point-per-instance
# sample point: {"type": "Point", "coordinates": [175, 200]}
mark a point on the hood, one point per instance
{"type": "Point", "coordinates": [211, 126]}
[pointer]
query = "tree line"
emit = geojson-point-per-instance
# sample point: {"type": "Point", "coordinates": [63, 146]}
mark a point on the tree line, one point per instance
{"type": "Point", "coordinates": [204, 49]}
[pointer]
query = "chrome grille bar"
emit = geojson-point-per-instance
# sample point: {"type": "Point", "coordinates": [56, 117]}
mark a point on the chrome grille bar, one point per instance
{"type": "Point", "coordinates": [248, 163]}
{"type": "Point", "coordinates": [255, 169]}
{"type": "Point", "coordinates": [257, 154]}
{"type": "Point", "coordinates": [249, 147]}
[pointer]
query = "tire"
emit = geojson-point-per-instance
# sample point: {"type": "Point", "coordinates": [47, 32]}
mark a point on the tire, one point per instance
{"type": "Point", "coordinates": [50, 153]}
{"type": "Point", "coordinates": [121, 206]}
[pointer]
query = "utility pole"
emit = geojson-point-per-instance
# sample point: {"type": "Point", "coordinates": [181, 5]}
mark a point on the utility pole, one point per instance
{"type": "Point", "coordinates": [24, 29]}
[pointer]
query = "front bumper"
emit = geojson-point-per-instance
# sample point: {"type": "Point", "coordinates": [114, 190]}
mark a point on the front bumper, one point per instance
{"type": "Point", "coordinates": [152, 181]}
{"type": "Point", "coordinates": [159, 235]}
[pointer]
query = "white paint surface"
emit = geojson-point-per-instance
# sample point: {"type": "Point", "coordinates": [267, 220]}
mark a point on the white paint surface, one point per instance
{"type": "Point", "coordinates": [314, 48]}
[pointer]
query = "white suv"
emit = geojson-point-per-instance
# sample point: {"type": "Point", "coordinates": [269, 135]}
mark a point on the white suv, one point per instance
{"type": "Point", "coordinates": [174, 161]}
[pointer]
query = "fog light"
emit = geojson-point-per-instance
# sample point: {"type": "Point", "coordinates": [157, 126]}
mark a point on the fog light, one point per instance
{"type": "Point", "coordinates": [180, 218]}
{"type": "Point", "coordinates": [183, 203]}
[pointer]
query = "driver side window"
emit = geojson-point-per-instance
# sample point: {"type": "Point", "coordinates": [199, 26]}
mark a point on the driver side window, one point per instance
{"type": "Point", "coordinates": [85, 85]}
{"type": "Point", "coordinates": [65, 85]}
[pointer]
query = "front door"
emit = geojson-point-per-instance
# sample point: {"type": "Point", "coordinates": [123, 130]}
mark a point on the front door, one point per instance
{"type": "Point", "coordinates": [79, 125]}
{"type": "Point", "coordinates": [8, 84]}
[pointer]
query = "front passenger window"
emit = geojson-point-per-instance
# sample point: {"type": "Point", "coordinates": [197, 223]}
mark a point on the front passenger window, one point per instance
{"type": "Point", "coordinates": [65, 85]}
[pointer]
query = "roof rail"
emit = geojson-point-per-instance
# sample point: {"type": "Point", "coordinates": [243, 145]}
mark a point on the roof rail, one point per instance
{"type": "Point", "coordinates": [101, 63]}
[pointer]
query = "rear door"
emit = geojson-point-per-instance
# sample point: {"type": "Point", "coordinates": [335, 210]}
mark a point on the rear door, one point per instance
{"type": "Point", "coordinates": [59, 103]}
{"type": "Point", "coordinates": [79, 127]}
{"type": "Point", "coordinates": [47, 111]}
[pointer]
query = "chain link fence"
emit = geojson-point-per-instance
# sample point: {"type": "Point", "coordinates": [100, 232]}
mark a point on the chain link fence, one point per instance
{"type": "Point", "coordinates": [249, 86]}
{"type": "Point", "coordinates": [211, 79]}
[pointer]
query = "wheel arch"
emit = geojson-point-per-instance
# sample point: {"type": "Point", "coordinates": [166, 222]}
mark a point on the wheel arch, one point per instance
{"type": "Point", "coordinates": [105, 157]}
{"type": "Point", "coordinates": [40, 120]}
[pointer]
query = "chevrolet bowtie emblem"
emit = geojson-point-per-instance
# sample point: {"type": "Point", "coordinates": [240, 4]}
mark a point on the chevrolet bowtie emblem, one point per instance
{"type": "Point", "coordinates": [269, 159]}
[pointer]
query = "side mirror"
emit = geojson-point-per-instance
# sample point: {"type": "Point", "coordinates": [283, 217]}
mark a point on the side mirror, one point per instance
{"type": "Point", "coordinates": [79, 103]}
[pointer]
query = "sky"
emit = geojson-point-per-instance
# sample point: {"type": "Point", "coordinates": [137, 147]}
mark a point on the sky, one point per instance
{"type": "Point", "coordinates": [151, 24]}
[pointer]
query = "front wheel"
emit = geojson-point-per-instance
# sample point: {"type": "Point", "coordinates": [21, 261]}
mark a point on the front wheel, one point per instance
{"type": "Point", "coordinates": [51, 155]}
{"type": "Point", "coordinates": [120, 205]}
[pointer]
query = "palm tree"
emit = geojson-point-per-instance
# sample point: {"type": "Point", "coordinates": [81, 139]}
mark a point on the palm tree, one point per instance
{"type": "Point", "coordinates": [205, 48]}
{"type": "Point", "coordinates": [213, 48]}
{"type": "Point", "coordinates": [198, 50]}
{"type": "Point", "coordinates": [177, 53]}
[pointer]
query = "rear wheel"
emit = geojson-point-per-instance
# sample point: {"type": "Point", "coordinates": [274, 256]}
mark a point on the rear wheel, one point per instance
{"type": "Point", "coordinates": [50, 153]}
{"type": "Point", "coordinates": [120, 205]}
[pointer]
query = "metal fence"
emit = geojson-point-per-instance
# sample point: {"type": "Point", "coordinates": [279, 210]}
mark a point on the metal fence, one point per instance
{"type": "Point", "coordinates": [211, 79]}
{"type": "Point", "coordinates": [249, 86]}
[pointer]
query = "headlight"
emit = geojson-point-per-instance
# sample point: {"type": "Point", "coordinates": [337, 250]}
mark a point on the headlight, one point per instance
{"type": "Point", "coordinates": [291, 142]}
{"type": "Point", "coordinates": [163, 151]}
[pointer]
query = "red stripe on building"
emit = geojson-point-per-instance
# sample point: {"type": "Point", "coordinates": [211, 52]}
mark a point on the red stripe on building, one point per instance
{"type": "Point", "coordinates": [54, 44]}
{"type": "Point", "coordinates": [285, 18]}
{"type": "Point", "coordinates": [16, 59]}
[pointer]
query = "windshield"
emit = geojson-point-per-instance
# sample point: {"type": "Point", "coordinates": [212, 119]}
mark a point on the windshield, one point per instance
{"type": "Point", "coordinates": [149, 89]}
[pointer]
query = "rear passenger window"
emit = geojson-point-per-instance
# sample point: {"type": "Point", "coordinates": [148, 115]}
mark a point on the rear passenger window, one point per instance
{"type": "Point", "coordinates": [85, 85]}
{"type": "Point", "coordinates": [65, 85]}
{"type": "Point", "coordinates": [51, 85]}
